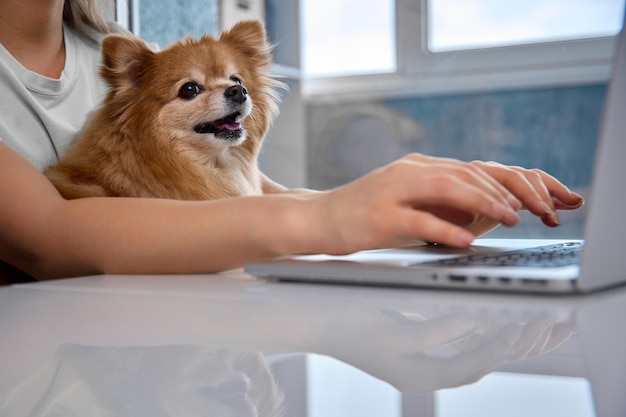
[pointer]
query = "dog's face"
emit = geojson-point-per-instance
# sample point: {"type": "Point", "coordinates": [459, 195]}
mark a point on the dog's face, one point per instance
{"type": "Point", "coordinates": [207, 101]}
{"type": "Point", "coordinates": [205, 93]}
{"type": "Point", "coordinates": [226, 110]}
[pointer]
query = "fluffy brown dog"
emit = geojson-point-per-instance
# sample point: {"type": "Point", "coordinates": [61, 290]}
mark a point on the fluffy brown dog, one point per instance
{"type": "Point", "coordinates": [186, 123]}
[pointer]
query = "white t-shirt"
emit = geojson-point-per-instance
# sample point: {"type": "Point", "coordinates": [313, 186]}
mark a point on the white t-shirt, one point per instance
{"type": "Point", "coordinates": [40, 116]}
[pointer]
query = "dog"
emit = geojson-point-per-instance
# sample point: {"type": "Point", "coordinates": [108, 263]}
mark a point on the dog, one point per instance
{"type": "Point", "coordinates": [186, 123]}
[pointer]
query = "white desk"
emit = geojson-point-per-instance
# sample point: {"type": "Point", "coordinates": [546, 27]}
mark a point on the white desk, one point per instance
{"type": "Point", "coordinates": [331, 350]}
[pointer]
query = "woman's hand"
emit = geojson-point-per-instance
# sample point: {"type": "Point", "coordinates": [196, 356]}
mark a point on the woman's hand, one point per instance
{"type": "Point", "coordinates": [538, 192]}
{"type": "Point", "coordinates": [421, 198]}
{"type": "Point", "coordinates": [535, 190]}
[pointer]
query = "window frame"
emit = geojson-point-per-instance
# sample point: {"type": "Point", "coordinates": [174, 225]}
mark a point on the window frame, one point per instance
{"type": "Point", "coordinates": [421, 72]}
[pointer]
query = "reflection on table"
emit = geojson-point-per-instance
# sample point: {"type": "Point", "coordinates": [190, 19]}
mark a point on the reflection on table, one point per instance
{"type": "Point", "coordinates": [153, 346]}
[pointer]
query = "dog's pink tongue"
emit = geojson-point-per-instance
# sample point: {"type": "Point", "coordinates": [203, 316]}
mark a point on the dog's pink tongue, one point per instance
{"type": "Point", "coordinates": [227, 125]}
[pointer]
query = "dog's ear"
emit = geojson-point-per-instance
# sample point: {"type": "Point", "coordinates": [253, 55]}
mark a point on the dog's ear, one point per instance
{"type": "Point", "coordinates": [249, 37]}
{"type": "Point", "coordinates": [124, 60]}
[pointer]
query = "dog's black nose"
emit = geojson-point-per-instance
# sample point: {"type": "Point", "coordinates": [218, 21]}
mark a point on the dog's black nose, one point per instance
{"type": "Point", "coordinates": [236, 93]}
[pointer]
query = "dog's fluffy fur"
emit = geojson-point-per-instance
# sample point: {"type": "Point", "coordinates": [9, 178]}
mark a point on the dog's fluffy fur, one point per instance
{"type": "Point", "coordinates": [186, 123]}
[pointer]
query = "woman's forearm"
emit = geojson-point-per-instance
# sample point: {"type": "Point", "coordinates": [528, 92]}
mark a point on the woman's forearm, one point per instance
{"type": "Point", "coordinates": [47, 236]}
{"type": "Point", "coordinates": [114, 235]}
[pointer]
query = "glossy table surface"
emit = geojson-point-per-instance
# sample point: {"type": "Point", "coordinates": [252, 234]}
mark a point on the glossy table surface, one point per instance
{"type": "Point", "coordinates": [232, 345]}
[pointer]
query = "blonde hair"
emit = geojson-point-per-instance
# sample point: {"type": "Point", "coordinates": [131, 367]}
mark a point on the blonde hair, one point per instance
{"type": "Point", "coordinates": [84, 16]}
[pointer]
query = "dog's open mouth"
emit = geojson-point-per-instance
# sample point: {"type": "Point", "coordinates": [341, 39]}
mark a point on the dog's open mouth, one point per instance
{"type": "Point", "coordinates": [226, 128]}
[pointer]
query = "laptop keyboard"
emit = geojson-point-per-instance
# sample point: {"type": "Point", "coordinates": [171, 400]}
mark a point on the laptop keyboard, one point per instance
{"type": "Point", "coordinates": [561, 254]}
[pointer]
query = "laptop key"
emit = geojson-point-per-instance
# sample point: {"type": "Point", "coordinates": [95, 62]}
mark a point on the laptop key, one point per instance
{"type": "Point", "coordinates": [561, 254]}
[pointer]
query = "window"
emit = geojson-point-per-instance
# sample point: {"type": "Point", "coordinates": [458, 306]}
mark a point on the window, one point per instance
{"type": "Point", "coordinates": [439, 49]}
{"type": "Point", "coordinates": [455, 25]}
{"type": "Point", "coordinates": [348, 37]}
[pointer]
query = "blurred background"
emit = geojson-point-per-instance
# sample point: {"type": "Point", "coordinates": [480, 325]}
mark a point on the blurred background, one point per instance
{"type": "Point", "coordinates": [518, 82]}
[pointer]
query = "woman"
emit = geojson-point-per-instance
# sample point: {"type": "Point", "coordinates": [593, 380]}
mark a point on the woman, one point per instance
{"type": "Point", "coordinates": [48, 70]}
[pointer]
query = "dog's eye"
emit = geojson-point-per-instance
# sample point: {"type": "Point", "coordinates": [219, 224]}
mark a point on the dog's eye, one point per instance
{"type": "Point", "coordinates": [189, 90]}
{"type": "Point", "coordinates": [235, 79]}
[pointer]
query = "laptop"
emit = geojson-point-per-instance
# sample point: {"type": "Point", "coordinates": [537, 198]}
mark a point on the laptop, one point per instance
{"type": "Point", "coordinates": [592, 264]}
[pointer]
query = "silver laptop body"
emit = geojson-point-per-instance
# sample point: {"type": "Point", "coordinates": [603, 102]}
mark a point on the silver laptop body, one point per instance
{"type": "Point", "coordinates": [599, 265]}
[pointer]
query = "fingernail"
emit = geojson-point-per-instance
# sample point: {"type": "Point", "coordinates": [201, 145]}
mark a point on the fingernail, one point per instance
{"type": "Point", "coordinates": [552, 220]}
{"type": "Point", "coordinates": [580, 201]}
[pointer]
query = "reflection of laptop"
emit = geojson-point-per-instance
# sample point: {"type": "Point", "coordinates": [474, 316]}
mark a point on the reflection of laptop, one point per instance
{"type": "Point", "coordinates": [596, 266]}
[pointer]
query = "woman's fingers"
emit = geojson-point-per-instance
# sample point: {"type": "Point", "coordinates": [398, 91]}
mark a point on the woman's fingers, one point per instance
{"type": "Point", "coordinates": [541, 203]}
{"type": "Point", "coordinates": [444, 198]}
{"type": "Point", "coordinates": [430, 228]}
{"type": "Point", "coordinates": [435, 224]}
{"type": "Point", "coordinates": [562, 197]}
{"type": "Point", "coordinates": [447, 190]}
{"type": "Point", "coordinates": [469, 173]}
{"type": "Point", "coordinates": [539, 192]}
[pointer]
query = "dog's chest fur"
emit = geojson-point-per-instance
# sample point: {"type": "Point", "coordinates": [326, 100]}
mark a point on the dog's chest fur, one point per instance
{"type": "Point", "coordinates": [235, 175]}
{"type": "Point", "coordinates": [192, 175]}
